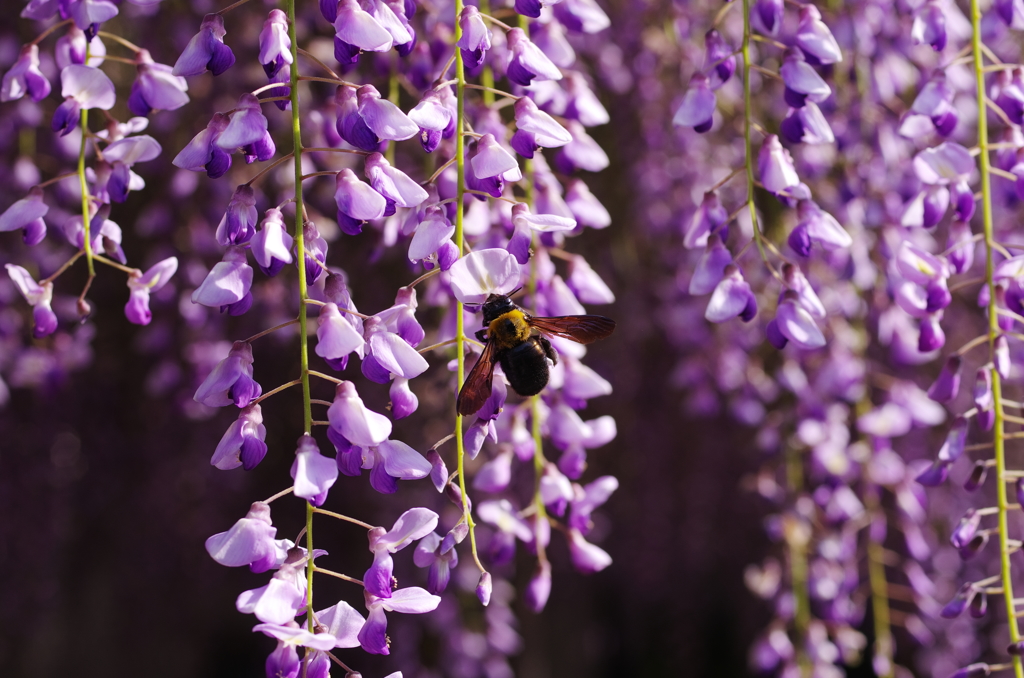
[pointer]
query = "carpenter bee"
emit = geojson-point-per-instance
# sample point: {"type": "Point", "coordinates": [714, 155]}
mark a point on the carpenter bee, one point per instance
{"type": "Point", "coordinates": [515, 339]}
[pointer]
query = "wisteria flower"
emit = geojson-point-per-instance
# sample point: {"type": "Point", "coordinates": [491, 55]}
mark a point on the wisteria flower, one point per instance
{"type": "Point", "coordinates": [27, 215]}
{"type": "Point", "coordinates": [428, 554]}
{"type": "Point", "coordinates": [284, 660]}
{"type": "Point", "coordinates": [510, 527]}
{"type": "Point", "coordinates": [389, 354]}
{"type": "Point", "coordinates": [582, 152]}
{"type": "Point", "coordinates": [526, 62]}
{"type": "Point", "coordinates": [586, 557]}
{"type": "Point", "coordinates": [352, 420]}
{"type": "Point", "coordinates": [243, 443]}
{"type": "Point", "coordinates": [929, 26]}
{"type": "Point", "coordinates": [484, 272]}
{"type": "Point", "coordinates": [815, 38]}
{"type": "Point", "coordinates": [156, 87]}
{"type": "Point", "coordinates": [227, 284]}
{"type": "Point", "coordinates": [87, 13]}
{"type": "Point", "coordinates": [336, 337]}
{"type": "Point", "coordinates": [414, 524]}
{"type": "Point", "coordinates": [39, 296]}
{"type": "Point", "coordinates": [122, 155]}
{"type": "Point", "coordinates": [250, 541]}
{"type": "Point", "coordinates": [434, 118]}
{"type": "Point", "coordinates": [382, 117]}
{"type": "Point", "coordinates": [278, 601]}
{"type": "Point", "coordinates": [934, 102]}
{"type": "Point", "coordinates": [817, 227]}
{"type": "Point", "coordinates": [806, 125]}
{"type": "Point", "coordinates": [732, 297]}
{"type": "Point", "coordinates": [247, 130]}
{"type": "Point", "coordinates": [719, 60]}
{"type": "Point", "coordinates": [395, 185]}
{"type": "Point", "coordinates": [802, 82]}
{"type": "Point", "coordinates": [206, 50]}
{"type": "Point", "coordinates": [588, 498]}
{"type": "Point", "coordinates": [432, 233]}
{"type": "Point", "coordinates": [793, 323]}
{"type": "Point", "coordinates": [767, 16]}
{"type": "Point", "coordinates": [585, 206]}
{"type": "Point", "coordinates": [71, 48]}
{"type": "Point", "coordinates": [275, 45]}
{"type": "Point", "coordinates": [536, 129]}
{"type": "Point", "coordinates": [526, 223]}
{"type": "Point", "coordinates": [356, 27]}
{"type": "Point", "coordinates": [24, 77]}
{"type": "Point", "coordinates": [698, 107]}
{"type": "Point", "coordinates": [231, 380]}
{"type": "Point", "coordinates": [82, 87]}
{"type": "Point", "coordinates": [141, 285]}
{"type": "Point", "coordinates": [202, 154]}
{"type": "Point", "coordinates": [272, 245]}
{"type": "Point", "coordinates": [392, 461]}
{"type": "Point", "coordinates": [710, 216]}
{"type": "Point", "coordinates": [357, 202]}
{"type": "Point", "coordinates": [412, 600]}
{"type": "Point", "coordinates": [775, 165]}
{"type": "Point", "coordinates": [949, 162]}
{"type": "Point", "coordinates": [313, 473]}
{"type": "Point", "coordinates": [238, 225]}
{"type": "Point", "coordinates": [476, 37]}
{"type": "Point", "coordinates": [343, 622]}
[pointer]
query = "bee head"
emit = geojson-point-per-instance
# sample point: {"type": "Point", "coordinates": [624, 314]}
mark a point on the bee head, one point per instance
{"type": "Point", "coordinates": [495, 306]}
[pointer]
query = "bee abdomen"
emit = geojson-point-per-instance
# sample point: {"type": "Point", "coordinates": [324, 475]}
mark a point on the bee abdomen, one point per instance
{"type": "Point", "coordinates": [526, 367]}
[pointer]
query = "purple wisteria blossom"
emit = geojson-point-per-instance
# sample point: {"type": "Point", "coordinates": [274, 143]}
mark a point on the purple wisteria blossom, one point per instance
{"type": "Point", "coordinates": [27, 215]}
{"type": "Point", "coordinates": [39, 296]}
{"type": "Point", "coordinates": [313, 473]}
{"type": "Point", "coordinates": [250, 541]}
{"type": "Point", "coordinates": [142, 285]}
{"type": "Point", "coordinates": [156, 87]}
{"type": "Point", "coordinates": [206, 50]}
{"type": "Point", "coordinates": [231, 380]}
{"type": "Point", "coordinates": [243, 444]}
{"type": "Point", "coordinates": [25, 78]}
{"type": "Point", "coordinates": [82, 87]}
{"type": "Point", "coordinates": [271, 246]}
{"type": "Point", "coordinates": [414, 524]}
{"type": "Point", "coordinates": [476, 37]}
{"type": "Point", "coordinates": [227, 285]}
{"type": "Point", "coordinates": [412, 600]}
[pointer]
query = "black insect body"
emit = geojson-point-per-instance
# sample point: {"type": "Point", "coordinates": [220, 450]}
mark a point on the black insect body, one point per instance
{"type": "Point", "coordinates": [526, 365]}
{"type": "Point", "coordinates": [515, 340]}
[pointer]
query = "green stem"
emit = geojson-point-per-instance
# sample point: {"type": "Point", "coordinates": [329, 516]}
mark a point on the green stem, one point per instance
{"type": "Point", "coordinates": [998, 433]}
{"type": "Point", "coordinates": [460, 322]}
{"type": "Point", "coordinates": [300, 249]}
{"type": "Point", "coordinates": [393, 95]}
{"type": "Point", "coordinates": [748, 126]}
{"type": "Point", "coordinates": [796, 544]}
{"type": "Point", "coordinates": [84, 122]}
{"type": "Point", "coordinates": [487, 75]}
{"type": "Point", "coordinates": [883, 645]}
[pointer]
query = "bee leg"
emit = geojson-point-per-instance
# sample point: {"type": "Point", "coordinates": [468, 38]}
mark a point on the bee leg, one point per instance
{"type": "Point", "coordinates": [549, 350]}
{"type": "Point", "coordinates": [480, 336]}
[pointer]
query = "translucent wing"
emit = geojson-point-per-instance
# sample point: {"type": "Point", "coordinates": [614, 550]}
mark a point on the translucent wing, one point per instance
{"type": "Point", "coordinates": [477, 388]}
{"type": "Point", "coordinates": [580, 328]}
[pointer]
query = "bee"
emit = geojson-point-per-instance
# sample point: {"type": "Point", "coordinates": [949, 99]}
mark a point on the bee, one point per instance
{"type": "Point", "coordinates": [516, 340]}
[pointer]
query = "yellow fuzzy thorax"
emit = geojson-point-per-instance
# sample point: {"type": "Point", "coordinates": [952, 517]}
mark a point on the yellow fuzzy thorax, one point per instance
{"type": "Point", "coordinates": [508, 330]}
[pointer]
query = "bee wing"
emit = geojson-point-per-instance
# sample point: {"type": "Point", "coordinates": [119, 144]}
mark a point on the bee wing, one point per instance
{"type": "Point", "coordinates": [580, 328]}
{"type": "Point", "coordinates": [477, 388]}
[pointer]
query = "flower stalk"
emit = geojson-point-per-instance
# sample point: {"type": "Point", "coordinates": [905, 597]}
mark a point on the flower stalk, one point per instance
{"type": "Point", "coordinates": [998, 433]}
